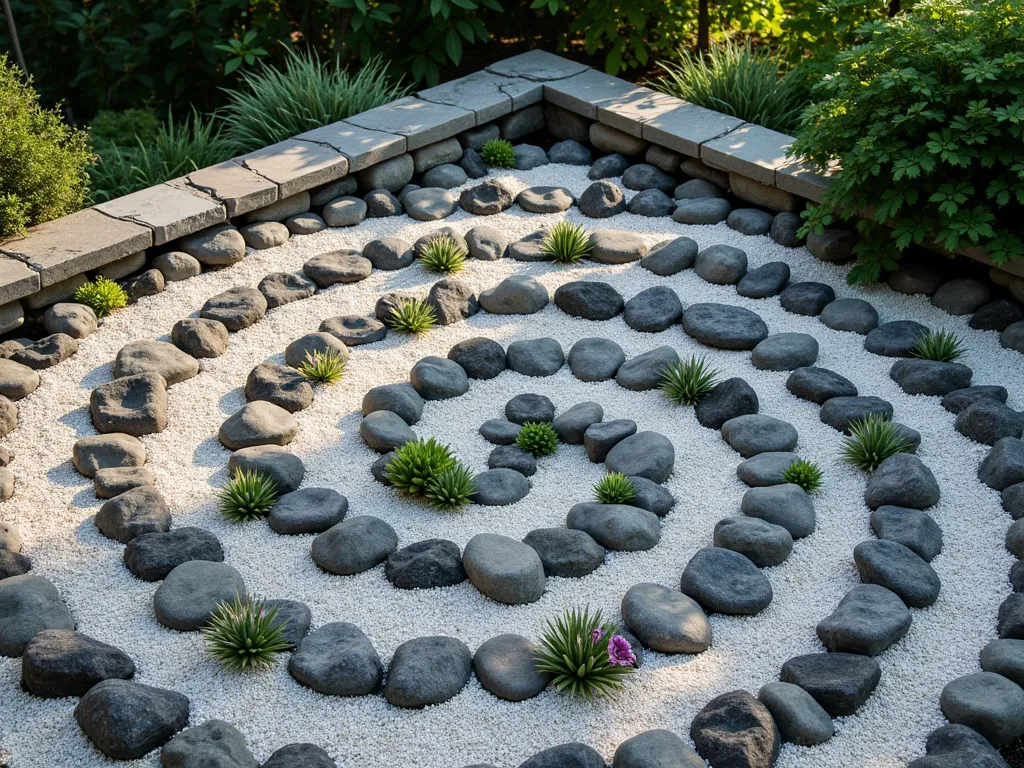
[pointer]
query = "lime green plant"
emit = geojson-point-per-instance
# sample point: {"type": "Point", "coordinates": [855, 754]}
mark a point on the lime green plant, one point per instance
{"type": "Point", "coordinates": [249, 495]}
{"type": "Point", "coordinates": [687, 381]}
{"type": "Point", "coordinates": [615, 488]}
{"type": "Point", "coordinates": [103, 295]}
{"type": "Point", "coordinates": [323, 366]}
{"type": "Point", "coordinates": [587, 658]}
{"type": "Point", "coordinates": [566, 243]}
{"type": "Point", "coordinates": [806, 474]}
{"type": "Point", "coordinates": [538, 439]}
{"type": "Point", "coordinates": [443, 255]}
{"type": "Point", "coordinates": [243, 635]}
{"type": "Point", "coordinates": [872, 440]}
{"type": "Point", "coordinates": [450, 490]}
{"type": "Point", "coordinates": [943, 346]}
{"type": "Point", "coordinates": [413, 316]}
{"type": "Point", "coordinates": [498, 153]}
{"type": "Point", "coordinates": [416, 463]}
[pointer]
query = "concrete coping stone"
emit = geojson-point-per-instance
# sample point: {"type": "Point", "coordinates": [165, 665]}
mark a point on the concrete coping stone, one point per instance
{"type": "Point", "coordinates": [17, 280]}
{"type": "Point", "coordinates": [751, 150]}
{"type": "Point", "coordinates": [361, 146]}
{"type": "Point", "coordinates": [490, 96]}
{"type": "Point", "coordinates": [804, 179]}
{"type": "Point", "coordinates": [238, 188]}
{"type": "Point", "coordinates": [421, 122]}
{"type": "Point", "coordinates": [168, 209]}
{"type": "Point", "coordinates": [296, 166]}
{"type": "Point", "coordinates": [583, 92]}
{"type": "Point", "coordinates": [686, 127]}
{"type": "Point", "coordinates": [634, 109]}
{"type": "Point", "coordinates": [537, 65]}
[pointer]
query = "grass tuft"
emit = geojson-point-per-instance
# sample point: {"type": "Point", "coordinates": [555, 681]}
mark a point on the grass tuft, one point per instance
{"type": "Point", "coordinates": [103, 295]}
{"type": "Point", "coordinates": [414, 316]}
{"type": "Point", "coordinates": [449, 490]}
{"type": "Point", "coordinates": [443, 255]}
{"type": "Point", "coordinates": [687, 381]}
{"type": "Point", "coordinates": [538, 439]}
{"type": "Point", "coordinates": [943, 346]}
{"type": "Point", "coordinates": [587, 658]}
{"type": "Point", "coordinates": [567, 243]}
{"type": "Point", "coordinates": [243, 635]}
{"type": "Point", "coordinates": [416, 463]}
{"type": "Point", "coordinates": [498, 153]}
{"type": "Point", "coordinates": [804, 473]}
{"type": "Point", "coordinates": [615, 488]}
{"type": "Point", "coordinates": [323, 367]}
{"type": "Point", "coordinates": [872, 440]}
{"type": "Point", "coordinates": [249, 495]}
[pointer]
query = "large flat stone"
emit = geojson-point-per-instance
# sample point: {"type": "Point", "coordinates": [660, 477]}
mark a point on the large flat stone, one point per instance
{"type": "Point", "coordinates": [686, 127]}
{"type": "Point", "coordinates": [537, 65]}
{"type": "Point", "coordinates": [583, 92]}
{"type": "Point", "coordinates": [750, 150]}
{"type": "Point", "coordinates": [421, 122]}
{"type": "Point", "coordinates": [487, 94]}
{"type": "Point", "coordinates": [238, 188]}
{"type": "Point", "coordinates": [803, 179]}
{"type": "Point", "coordinates": [631, 111]}
{"type": "Point", "coordinates": [73, 244]}
{"type": "Point", "coordinates": [170, 211]}
{"type": "Point", "coordinates": [296, 166]}
{"type": "Point", "coordinates": [16, 280]}
{"type": "Point", "coordinates": [361, 146]}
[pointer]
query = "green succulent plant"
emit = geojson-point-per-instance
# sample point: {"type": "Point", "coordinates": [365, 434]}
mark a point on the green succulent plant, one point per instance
{"type": "Point", "coordinates": [587, 658]}
{"type": "Point", "coordinates": [538, 439]}
{"type": "Point", "coordinates": [244, 635]}
{"type": "Point", "coordinates": [943, 346]}
{"type": "Point", "coordinates": [872, 440]}
{"type": "Point", "coordinates": [687, 381]}
{"type": "Point", "coordinates": [418, 462]}
{"type": "Point", "coordinates": [103, 295]}
{"type": "Point", "coordinates": [323, 366]}
{"type": "Point", "coordinates": [498, 153]}
{"type": "Point", "coordinates": [566, 243]}
{"type": "Point", "coordinates": [450, 489]}
{"type": "Point", "coordinates": [249, 495]}
{"type": "Point", "coordinates": [443, 255]}
{"type": "Point", "coordinates": [413, 316]}
{"type": "Point", "coordinates": [804, 473]}
{"type": "Point", "coordinates": [615, 488]}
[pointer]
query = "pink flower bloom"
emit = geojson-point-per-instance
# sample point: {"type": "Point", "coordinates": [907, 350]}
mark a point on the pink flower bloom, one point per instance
{"type": "Point", "coordinates": [596, 635]}
{"type": "Point", "coordinates": [620, 652]}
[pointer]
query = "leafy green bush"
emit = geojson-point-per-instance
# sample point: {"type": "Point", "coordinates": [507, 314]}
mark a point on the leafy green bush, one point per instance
{"type": "Point", "coordinates": [103, 295]}
{"type": "Point", "coordinates": [538, 439]}
{"type": "Point", "coordinates": [416, 463]}
{"type": "Point", "coordinates": [124, 129]}
{"type": "Point", "coordinates": [587, 658]}
{"type": "Point", "coordinates": [275, 104]}
{"type": "Point", "coordinates": [443, 255]}
{"type": "Point", "coordinates": [944, 346]}
{"type": "Point", "coordinates": [615, 488]}
{"type": "Point", "coordinates": [926, 121]}
{"type": "Point", "coordinates": [872, 440]}
{"type": "Point", "coordinates": [687, 381]}
{"type": "Point", "coordinates": [566, 243]}
{"type": "Point", "coordinates": [414, 317]}
{"type": "Point", "coordinates": [244, 635]}
{"type": "Point", "coordinates": [249, 495]}
{"type": "Point", "coordinates": [804, 473]}
{"type": "Point", "coordinates": [739, 80]}
{"type": "Point", "coordinates": [498, 153]}
{"type": "Point", "coordinates": [44, 162]}
{"type": "Point", "coordinates": [449, 491]}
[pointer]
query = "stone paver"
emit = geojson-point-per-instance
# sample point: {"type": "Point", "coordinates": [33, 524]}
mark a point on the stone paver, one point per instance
{"type": "Point", "coordinates": [583, 92]}
{"type": "Point", "coordinates": [490, 96]}
{"type": "Point", "coordinates": [296, 166]}
{"type": "Point", "coordinates": [171, 212]}
{"type": "Point", "coordinates": [238, 188]}
{"type": "Point", "coordinates": [803, 179]}
{"type": "Point", "coordinates": [16, 280]}
{"type": "Point", "coordinates": [750, 150]}
{"type": "Point", "coordinates": [421, 122]}
{"type": "Point", "coordinates": [537, 65]}
{"type": "Point", "coordinates": [685, 128]}
{"type": "Point", "coordinates": [361, 146]}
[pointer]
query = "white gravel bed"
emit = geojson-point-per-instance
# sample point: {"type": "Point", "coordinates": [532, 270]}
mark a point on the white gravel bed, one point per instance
{"type": "Point", "coordinates": [53, 507]}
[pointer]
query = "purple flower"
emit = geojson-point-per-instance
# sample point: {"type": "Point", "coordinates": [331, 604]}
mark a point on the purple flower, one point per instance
{"type": "Point", "coordinates": [596, 635]}
{"type": "Point", "coordinates": [620, 652]}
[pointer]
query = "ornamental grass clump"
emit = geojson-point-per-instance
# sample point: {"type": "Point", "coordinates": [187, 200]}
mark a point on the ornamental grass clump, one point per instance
{"type": "Point", "coordinates": [416, 463]}
{"type": "Point", "coordinates": [249, 495]}
{"type": "Point", "coordinates": [566, 243]}
{"type": "Point", "coordinates": [323, 366]}
{"type": "Point", "coordinates": [103, 295]}
{"type": "Point", "coordinates": [804, 473]}
{"type": "Point", "coordinates": [449, 491]}
{"type": "Point", "coordinates": [413, 316]}
{"type": "Point", "coordinates": [872, 440]}
{"type": "Point", "coordinates": [943, 346]}
{"type": "Point", "coordinates": [498, 153]}
{"type": "Point", "coordinates": [443, 255]}
{"type": "Point", "coordinates": [687, 381]}
{"type": "Point", "coordinates": [538, 439]}
{"type": "Point", "coordinates": [615, 488]}
{"type": "Point", "coordinates": [587, 658]}
{"type": "Point", "coordinates": [244, 635]}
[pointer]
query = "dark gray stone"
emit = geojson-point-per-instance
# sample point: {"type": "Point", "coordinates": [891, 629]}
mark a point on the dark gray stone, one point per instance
{"type": "Point", "coordinates": [53, 349]}
{"type": "Point", "coordinates": [293, 617]}
{"type": "Point", "coordinates": [767, 280]}
{"type": "Point", "coordinates": [957, 746]}
{"type": "Point", "coordinates": [148, 356]}
{"type": "Point", "coordinates": [723, 581]}
{"type": "Point", "coordinates": [867, 621]}
{"type": "Point", "coordinates": [785, 228]}
{"type": "Point", "coordinates": [530, 248]}
{"type": "Point", "coordinates": [425, 565]}
{"type": "Point", "coordinates": [1013, 337]}
{"type": "Point", "coordinates": [296, 755]}
{"type": "Point", "coordinates": [727, 400]}
{"type": "Point", "coordinates": [611, 246]}
{"type": "Point", "coordinates": [608, 167]}
{"type": "Point", "coordinates": [545, 199]}
{"type": "Point", "coordinates": [199, 337]}
{"type": "Point", "coordinates": [618, 527]}
{"type": "Point", "coordinates": [486, 198]}
{"type": "Point", "coordinates": [515, 295]}
{"type": "Point", "coordinates": [344, 266]}
{"type": "Point", "coordinates": [280, 288]}
{"type": "Point", "coordinates": [752, 434]}
{"type": "Point", "coordinates": [643, 176]}
{"type": "Point", "coordinates": [988, 703]}
{"type": "Point", "coordinates": [381, 203]}
{"type": "Point", "coordinates": [499, 431]}
{"type": "Point", "coordinates": [499, 487]}
{"type": "Point", "coordinates": [902, 481]}
{"type": "Point", "coordinates": [665, 620]}
{"type": "Point", "coordinates": [486, 243]}
{"type": "Point", "coordinates": [721, 264]}
{"type": "Point", "coordinates": [446, 176]}
{"type": "Point", "coordinates": [669, 257]}
{"type": "Point", "coordinates": [704, 210]}
{"type": "Point", "coordinates": [962, 296]}
{"type": "Point", "coordinates": [960, 399]}
{"type": "Point", "coordinates": [13, 564]}
{"type": "Point", "coordinates": [133, 513]}
{"type": "Point", "coordinates": [839, 682]}
{"type": "Point", "coordinates": [989, 421]}
{"type": "Point", "coordinates": [766, 468]}
{"type": "Point", "coordinates": [595, 359]}
{"type": "Point", "coordinates": [480, 357]}
{"type": "Point", "coordinates": [308, 510]}
{"type": "Point", "coordinates": [283, 467]}
{"type": "Point", "coordinates": [213, 742]}
{"type": "Point", "coordinates": [512, 457]}
{"type": "Point", "coordinates": [601, 200]}
{"type": "Point", "coordinates": [997, 315]}
{"type": "Point", "coordinates": [529, 156]}
{"type": "Point", "coordinates": [237, 308]}
{"type": "Point", "coordinates": [337, 660]}
{"type": "Point", "coordinates": [572, 755]}
{"type": "Point", "coordinates": [258, 423]}
{"type": "Point", "coordinates": [1010, 620]}
{"type": "Point", "coordinates": [389, 253]}
{"type": "Point", "coordinates": [566, 552]}
{"type": "Point", "coordinates": [421, 244]}
{"type": "Point", "coordinates": [505, 666]}
{"type": "Point", "coordinates": [894, 339]}
{"type": "Point", "coordinates": [1002, 657]}
{"type": "Point", "coordinates": [354, 545]}
{"type": "Point", "coordinates": [820, 385]}
{"type": "Point", "coordinates": [126, 720]}
{"type": "Point", "coordinates": [58, 663]}
{"type": "Point", "coordinates": [651, 496]}
{"type": "Point", "coordinates": [437, 378]}
{"type": "Point", "coordinates": [503, 569]}
{"type": "Point", "coordinates": [653, 310]}
{"type": "Point", "coordinates": [645, 371]}
{"type": "Point", "coordinates": [429, 203]}
{"type": "Point", "coordinates": [345, 211]}
{"type": "Point", "coordinates": [651, 203]}
{"type": "Point", "coordinates": [750, 221]}
{"type": "Point", "coordinates": [834, 246]}
{"type": "Point", "coordinates": [569, 152]}
{"type": "Point", "coordinates": [1004, 464]}
{"type": "Point", "coordinates": [399, 398]}
{"type": "Point", "coordinates": [599, 439]}
{"type": "Point", "coordinates": [281, 385]}
{"type": "Point", "coordinates": [912, 528]}
{"type": "Point", "coordinates": [95, 452]}
{"type": "Point", "coordinates": [572, 424]}
{"type": "Point", "coordinates": [839, 412]}
{"type": "Point", "coordinates": [589, 299]}
{"type": "Point", "coordinates": [807, 298]}
{"type": "Point", "coordinates": [192, 592]}
{"type": "Point", "coordinates": [764, 543]}
{"type": "Point", "coordinates": [152, 556]}
{"type": "Point", "coordinates": [912, 279]}
{"type": "Point", "coordinates": [800, 719]}
{"type": "Point", "coordinates": [473, 164]}
{"type": "Point", "coordinates": [786, 504]}
{"type": "Point", "coordinates": [644, 454]}
{"type": "Point", "coordinates": [735, 729]}
{"type": "Point", "coordinates": [452, 301]}
{"type": "Point", "coordinates": [854, 315]}
{"type": "Point", "coordinates": [535, 357]}
{"type": "Point", "coordinates": [785, 352]}
{"type": "Point", "coordinates": [134, 405]}
{"type": "Point", "coordinates": [112, 482]}
{"type": "Point", "coordinates": [724, 326]}
{"type": "Point", "coordinates": [656, 749]}
{"type": "Point", "coordinates": [1012, 498]}
{"type": "Point", "coordinates": [891, 565]}
{"type": "Point", "coordinates": [151, 281]}
{"type": "Point", "coordinates": [930, 377]}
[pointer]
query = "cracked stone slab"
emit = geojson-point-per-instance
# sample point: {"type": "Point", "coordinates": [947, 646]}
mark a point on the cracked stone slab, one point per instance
{"type": "Point", "coordinates": [583, 92]}
{"type": "Point", "coordinates": [238, 188]}
{"type": "Point", "coordinates": [686, 127]}
{"type": "Point", "coordinates": [421, 122]}
{"type": "Point", "coordinates": [17, 280]}
{"type": "Point", "coordinates": [170, 211]}
{"type": "Point", "coordinates": [537, 65]}
{"type": "Point", "coordinates": [750, 150]}
{"type": "Point", "coordinates": [633, 109]}
{"type": "Point", "coordinates": [76, 243]}
{"type": "Point", "coordinates": [804, 179]}
{"type": "Point", "coordinates": [361, 146]}
{"type": "Point", "coordinates": [490, 96]}
{"type": "Point", "coordinates": [296, 166]}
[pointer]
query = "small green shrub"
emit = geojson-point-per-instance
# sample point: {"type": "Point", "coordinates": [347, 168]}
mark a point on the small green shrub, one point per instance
{"type": "Point", "coordinates": [538, 439]}
{"type": "Point", "coordinates": [418, 462]}
{"type": "Point", "coordinates": [567, 243]}
{"type": "Point", "coordinates": [243, 635]}
{"type": "Point", "coordinates": [44, 162]}
{"type": "Point", "coordinates": [443, 255]}
{"type": "Point", "coordinates": [587, 658]}
{"type": "Point", "coordinates": [249, 495]}
{"type": "Point", "coordinates": [275, 104]}
{"type": "Point", "coordinates": [498, 153]}
{"type": "Point", "coordinates": [103, 295]}
{"type": "Point", "coordinates": [413, 316]}
{"type": "Point", "coordinates": [124, 129]}
{"type": "Point", "coordinates": [739, 80]}
{"type": "Point", "coordinates": [925, 121]}
{"type": "Point", "coordinates": [687, 381]}
{"type": "Point", "coordinates": [872, 440]}
{"type": "Point", "coordinates": [943, 346]}
{"type": "Point", "coordinates": [615, 488]}
{"type": "Point", "coordinates": [449, 490]}
{"type": "Point", "coordinates": [323, 367]}
{"type": "Point", "coordinates": [804, 473]}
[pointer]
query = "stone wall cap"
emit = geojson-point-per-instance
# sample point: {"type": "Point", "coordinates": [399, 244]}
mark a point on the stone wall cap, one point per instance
{"type": "Point", "coordinates": [362, 147]}
{"type": "Point", "coordinates": [686, 127]}
{"type": "Point", "coordinates": [237, 187]}
{"type": "Point", "coordinates": [635, 108]}
{"type": "Point", "coordinates": [751, 149]}
{"type": "Point", "coordinates": [421, 122]}
{"type": "Point", "coordinates": [490, 96]}
{"type": "Point", "coordinates": [17, 279]}
{"type": "Point", "coordinates": [169, 210]}
{"type": "Point", "coordinates": [296, 166]}
{"type": "Point", "coordinates": [583, 93]}
{"type": "Point", "coordinates": [537, 65]}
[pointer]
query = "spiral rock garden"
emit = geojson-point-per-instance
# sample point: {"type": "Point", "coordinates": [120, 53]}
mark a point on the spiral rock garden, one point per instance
{"type": "Point", "coordinates": [565, 452]}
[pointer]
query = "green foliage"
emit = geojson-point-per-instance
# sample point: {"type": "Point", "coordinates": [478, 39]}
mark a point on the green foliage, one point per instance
{"type": "Point", "coordinates": [926, 121]}
{"type": "Point", "coordinates": [323, 367]}
{"type": "Point", "coordinates": [244, 635]}
{"type": "Point", "coordinates": [687, 381]}
{"type": "Point", "coordinates": [178, 149]}
{"type": "Point", "coordinates": [44, 162]}
{"type": "Point", "coordinates": [443, 255]}
{"type": "Point", "coordinates": [498, 153]}
{"type": "Point", "coordinates": [416, 463]}
{"type": "Point", "coordinates": [249, 495]}
{"type": "Point", "coordinates": [277, 103]}
{"type": "Point", "coordinates": [413, 316]}
{"type": "Point", "coordinates": [538, 439]}
{"type": "Point", "coordinates": [574, 648]}
{"type": "Point", "coordinates": [449, 490]}
{"type": "Point", "coordinates": [124, 129]}
{"type": "Point", "coordinates": [566, 243]}
{"type": "Point", "coordinates": [872, 440]}
{"type": "Point", "coordinates": [103, 295]}
{"type": "Point", "coordinates": [804, 473]}
{"type": "Point", "coordinates": [615, 488]}
{"type": "Point", "coordinates": [943, 346]}
{"type": "Point", "coordinates": [739, 80]}
{"type": "Point", "coordinates": [241, 52]}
